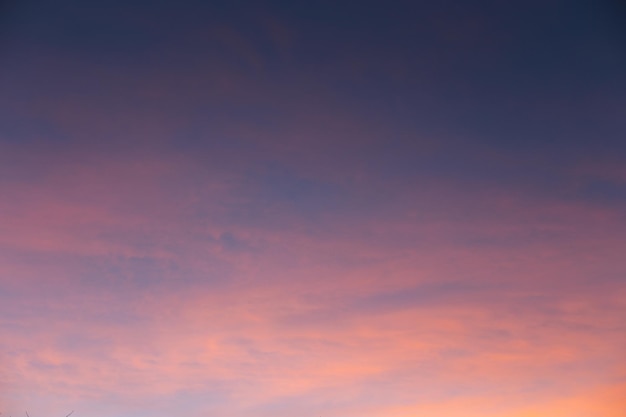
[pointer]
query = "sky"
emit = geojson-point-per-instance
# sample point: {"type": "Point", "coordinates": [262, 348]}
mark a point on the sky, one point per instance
{"type": "Point", "coordinates": [323, 208]}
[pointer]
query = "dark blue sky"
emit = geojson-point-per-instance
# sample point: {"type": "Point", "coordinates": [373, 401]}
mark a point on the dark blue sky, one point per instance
{"type": "Point", "coordinates": [538, 85]}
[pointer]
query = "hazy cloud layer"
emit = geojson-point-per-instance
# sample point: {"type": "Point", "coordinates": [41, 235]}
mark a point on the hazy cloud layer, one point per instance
{"type": "Point", "coordinates": [333, 210]}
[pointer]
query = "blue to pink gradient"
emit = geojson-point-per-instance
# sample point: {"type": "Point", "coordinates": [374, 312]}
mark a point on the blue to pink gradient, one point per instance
{"type": "Point", "coordinates": [336, 210]}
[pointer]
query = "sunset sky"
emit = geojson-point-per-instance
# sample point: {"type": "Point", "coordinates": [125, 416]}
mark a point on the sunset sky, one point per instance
{"type": "Point", "coordinates": [327, 208]}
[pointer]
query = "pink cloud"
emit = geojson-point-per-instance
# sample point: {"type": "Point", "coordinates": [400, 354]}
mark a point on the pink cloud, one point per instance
{"type": "Point", "coordinates": [407, 308]}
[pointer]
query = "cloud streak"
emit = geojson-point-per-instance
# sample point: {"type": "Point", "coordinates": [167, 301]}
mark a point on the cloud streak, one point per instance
{"type": "Point", "coordinates": [127, 284]}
